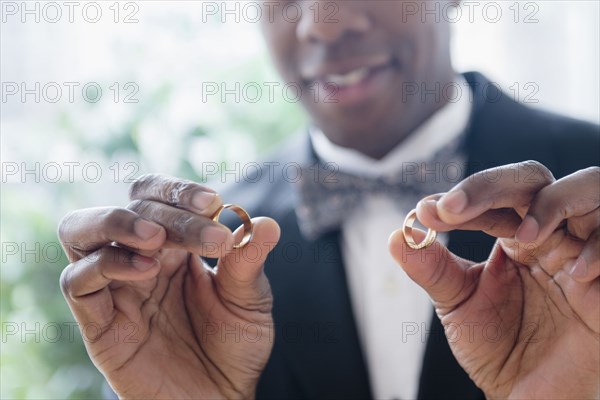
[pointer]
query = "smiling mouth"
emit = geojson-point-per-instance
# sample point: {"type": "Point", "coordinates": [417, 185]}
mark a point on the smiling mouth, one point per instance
{"type": "Point", "coordinates": [353, 77]}
{"type": "Point", "coordinates": [354, 83]}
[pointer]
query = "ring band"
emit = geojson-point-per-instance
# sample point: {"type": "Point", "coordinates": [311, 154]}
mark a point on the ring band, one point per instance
{"type": "Point", "coordinates": [246, 221]}
{"type": "Point", "coordinates": [408, 236]}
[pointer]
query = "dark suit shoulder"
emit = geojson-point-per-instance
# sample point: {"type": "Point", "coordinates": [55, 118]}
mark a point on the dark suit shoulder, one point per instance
{"type": "Point", "coordinates": [503, 131]}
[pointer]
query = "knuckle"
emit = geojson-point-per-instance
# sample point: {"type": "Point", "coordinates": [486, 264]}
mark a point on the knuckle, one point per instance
{"type": "Point", "coordinates": [176, 191]}
{"type": "Point", "coordinates": [139, 207]}
{"type": "Point", "coordinates": [263, 304]}
{"type": "Point", "coordinates": [141, 184]}
{"type": "Point", "coordinates": [539, 171]}
{"type": "Point", "coordinates": [64, 225]}
{"type": "Point", "coordinates": [254, 295]}
{"type": "Point", "coordinates": [564, 209]}
{"type": "Point", "coordinates": [583, 227]}
{"type": "Point", "coordinates": [572, 194]}
{"type": "Point", "coordinates": [117, 218]}
{"type": "Point", "coordinates": [163, 188]}
{"type": "Point", "coordinates": [551, 200]}
{"type": "Point", "coordinates": [182, 225]}
{"type": "Point", "coordinates": [594, 170]}
{"type": "Point", "coordinates": [65, 280]}
{"type": "Point", "coordinates": [265, 294]}
{"type": "Point", "coordinates": [594, 176]}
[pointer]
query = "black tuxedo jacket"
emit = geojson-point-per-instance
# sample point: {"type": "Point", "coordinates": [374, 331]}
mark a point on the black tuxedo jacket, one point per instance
{"type": "Point", "coordinates": [317, 353]}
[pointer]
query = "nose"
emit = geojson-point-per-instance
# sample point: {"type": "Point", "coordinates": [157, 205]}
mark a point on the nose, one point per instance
{"type": "Point", "coordinates": [328, 21]}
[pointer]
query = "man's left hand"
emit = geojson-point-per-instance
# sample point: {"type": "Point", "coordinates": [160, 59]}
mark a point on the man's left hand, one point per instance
{"type": "Point", "coordinates": [525, 323]}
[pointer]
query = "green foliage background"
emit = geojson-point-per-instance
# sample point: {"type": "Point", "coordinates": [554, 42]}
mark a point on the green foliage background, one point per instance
{"type": "Point", "coordinates": [43, 355]}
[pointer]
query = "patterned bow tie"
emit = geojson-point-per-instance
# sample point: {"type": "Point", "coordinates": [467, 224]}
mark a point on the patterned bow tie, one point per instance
{"type": "Point", "coordinates": [326, 194]}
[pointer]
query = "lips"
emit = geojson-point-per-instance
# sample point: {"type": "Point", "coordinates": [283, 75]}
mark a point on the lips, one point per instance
{"type": "Point", "coordinates": [348, 79]}
{"type": "Point", "coordinates": [353, 77]}
{"type": "Point", "coordinates": [343, 71]}
{"type": "Point", "coordinates": [354, 82]}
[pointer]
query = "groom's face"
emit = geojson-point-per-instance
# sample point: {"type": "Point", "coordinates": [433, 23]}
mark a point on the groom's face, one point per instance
{"type": "Point", "coordinates": [357, 60]}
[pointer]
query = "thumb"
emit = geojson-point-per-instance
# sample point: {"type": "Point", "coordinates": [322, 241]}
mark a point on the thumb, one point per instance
{"type": "Point", "coordinates": [447, 278]}
{"type": "Point", "coordinates": [241, 271]}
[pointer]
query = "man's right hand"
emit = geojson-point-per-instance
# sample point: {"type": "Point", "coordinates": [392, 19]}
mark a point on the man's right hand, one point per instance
{"type": "Point", "coordinates": [156, 321]}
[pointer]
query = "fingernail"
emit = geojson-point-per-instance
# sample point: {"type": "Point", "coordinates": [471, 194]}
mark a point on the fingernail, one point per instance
{"type": "Point", "coordinates": [580, 268]}
{"type": "Point", "coordinates": [429, 203]}
{"type": "Point", "coordinates": [145, 229]}
{"type": "Point", "coordinates": [202, 200]}
{"type": "Point", "coordinates": [454, 201]}
{"type": "Point", "coordinates": [214, 235]}
{"type": "Point", "coordinates": [528, 231]}
{"type": "Point", "coordinates": [143, 263]}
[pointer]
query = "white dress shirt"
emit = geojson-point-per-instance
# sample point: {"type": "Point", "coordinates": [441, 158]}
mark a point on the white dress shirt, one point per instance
{"type": "Point", "coordinates": [392, 312]}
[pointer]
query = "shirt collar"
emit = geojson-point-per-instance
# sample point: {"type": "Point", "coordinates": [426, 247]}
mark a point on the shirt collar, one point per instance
{"type": "Point", "coordinates": [440, 129]}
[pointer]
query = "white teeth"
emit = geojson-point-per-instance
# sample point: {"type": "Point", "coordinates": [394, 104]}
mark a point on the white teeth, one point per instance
{"type": "Point", "coordinates": [351, 78]}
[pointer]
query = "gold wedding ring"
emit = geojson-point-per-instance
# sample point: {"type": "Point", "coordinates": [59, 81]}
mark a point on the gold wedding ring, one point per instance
{"type": "Point", "coordinates": [246, 221]}
{"type": "Point", "coordinates": [408, 236]}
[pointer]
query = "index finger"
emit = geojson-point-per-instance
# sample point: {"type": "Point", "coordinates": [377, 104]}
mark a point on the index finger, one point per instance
{"type": "Point", "coordinates": [508, 186]}
{"type": "Point", "coordinates": [500, 223]}
{"type": "Point", "coordinates": [176, 192]}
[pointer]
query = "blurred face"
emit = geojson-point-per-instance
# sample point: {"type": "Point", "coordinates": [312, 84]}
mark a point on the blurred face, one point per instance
{"type": "Point", "coordinates": [355, 61]}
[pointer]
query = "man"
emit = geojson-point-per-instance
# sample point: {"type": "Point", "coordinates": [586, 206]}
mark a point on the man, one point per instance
{"type": "Point", "coordinates": [524, 323]}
